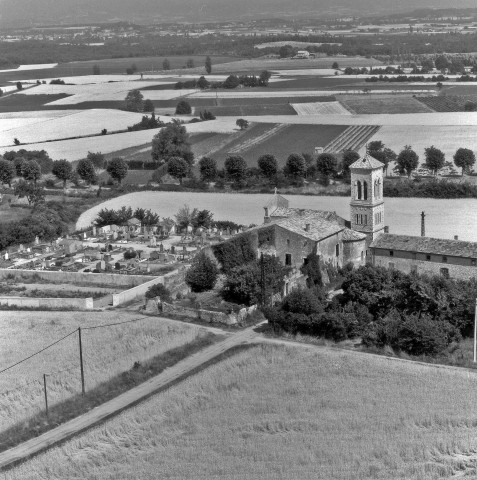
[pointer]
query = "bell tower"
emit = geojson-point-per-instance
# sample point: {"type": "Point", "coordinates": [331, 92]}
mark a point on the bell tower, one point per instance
{"type": "Point", "coordinates": [367, 201]}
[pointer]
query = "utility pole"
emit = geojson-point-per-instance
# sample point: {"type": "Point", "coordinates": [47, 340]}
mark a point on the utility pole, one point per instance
{"type": "Point", "coordinates": [262, 279]}
{"type": "Point", "coordinates": [475, 332]}
{"type": "Point", "coordinates": [81, 361]}
{"type": "Point", "coordinates": [46, 394]}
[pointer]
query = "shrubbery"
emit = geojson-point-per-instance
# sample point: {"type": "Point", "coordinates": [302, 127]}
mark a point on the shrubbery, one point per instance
{"type": "Point", "coordinates": [202, 274]}
{"type": "Point", "coordinates": [418, 315]}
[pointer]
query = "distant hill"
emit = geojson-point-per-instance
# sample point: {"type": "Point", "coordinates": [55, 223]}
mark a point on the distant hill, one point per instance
{"type": "Point", "coordinates": [35, 12]}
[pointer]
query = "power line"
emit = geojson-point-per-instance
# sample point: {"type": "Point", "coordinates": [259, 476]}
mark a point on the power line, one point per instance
{"type": "Point", "coordinates": [39, 351]}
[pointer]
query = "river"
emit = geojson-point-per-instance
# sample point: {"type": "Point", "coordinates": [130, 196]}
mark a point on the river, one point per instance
{"type": "Point", "coordinates": [444, 218]}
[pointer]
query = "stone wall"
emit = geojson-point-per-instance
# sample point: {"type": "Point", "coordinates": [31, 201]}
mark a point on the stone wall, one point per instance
{"type": "Point", "coordinates": [419, 266]}
{"type": "Point", "coordinates": [48, 303]}
{"type": "Point", "coordinates": [209, 316]}
{"type": "Point", "coordinates": [76, 278]}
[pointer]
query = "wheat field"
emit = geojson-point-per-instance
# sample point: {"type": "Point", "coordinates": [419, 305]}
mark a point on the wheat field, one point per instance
{"type": "Point", "coordinates": [106, 353]}
{"type": "Point", "coordinates": [276, 412]}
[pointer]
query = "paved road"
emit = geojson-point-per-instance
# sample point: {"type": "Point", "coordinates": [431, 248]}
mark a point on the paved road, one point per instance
{"type": "Point", "coordinates": [125, 400]}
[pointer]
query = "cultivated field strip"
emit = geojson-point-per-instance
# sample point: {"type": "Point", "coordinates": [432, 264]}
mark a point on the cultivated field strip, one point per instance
{"type": "Point", "coordinates": [353, 138]}
{"type": "Point", "coordinates": [251, 142]}
{"type": "Point", "coordinates": [320, 108]}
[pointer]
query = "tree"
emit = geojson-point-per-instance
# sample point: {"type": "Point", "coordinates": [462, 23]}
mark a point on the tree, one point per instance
{"type": "Point", "coordinates": [441, 63]}
{"type": "Point", "coordinates": [208, 169]}
{"type": "Point", "coordinates": [185, 216]}
{"type": "Point", "coordinates": [407, 161]}
{"type": "Point", "coordinates": [264, 78]}
{"type": "Point", "coordinates": [208, 65]}
{"type": "Point", "coordinates": [117, 169]}
{"type": "Point", "coordinates": [96, 69]}
{"type": "Point", "coordinates": [470, 106]}
{"type": "Point", "coordinates": [148, 106]}
{"type": "Point", "coordinates": [97, 159]}
{"type": "Point", "coordinates": [295, 166]}
{"type": "Point", "coordinates": [203, 219]}
{"type": "Point", "coordinates": [202, 274]}
{"type": "Point", "coordinates": [327, 166]}
{"type": "Point", "coordinates": [62, 170]}
{"type": "Point", "coordinates": [108, 216]}
{"type": "Point", "coordinates": [375, 146]}
{"type": "Point", "coordinates": [178, 168]}
{"type": "Point", "coordinates": [435, 159]}
{"type": "Point", "coordinates": [349, 157]}
{"type": "Point", "coordinates": [268, 165]}
{"type": "Point", "coordinates": [33, 193]}
{"type": "Point", "coordinates": [17, 163]}
{"type": "Point", "coordinates": [7, 172]}
{"type": "Point", "coordinates": [166, 65]}
{"type": "Point", "coordinates": [465, 159]}
{"type": "Point", "coordinates": [147, 217]}
{"type": "Point", "coordinates": [242, 123]}
{"type": "Point", "coordinates": [235, 168]}
{"type": "Point", "coordinates": [190, 63]}
{"type": "Point", "coordinates": [85, 170]}
{"type": "Point", "coordinates": [286, 51]}
{"type": "Point", "coordinates": [232, 81]}
{"type": "Point", "coordinates": [312, 270]}
{"type": "Point", "coordinates": [31, 171]}
{"type": "Point", "coordinates": [335, 66]}
{"type": "Point", "coordinates": [171, 141]}
{"type": "Point", "coordinates": [203, 83]}
{"type": "Point", "coordinates": [183, 108]}
{"type": "Point", "coordinates": [134, 101]}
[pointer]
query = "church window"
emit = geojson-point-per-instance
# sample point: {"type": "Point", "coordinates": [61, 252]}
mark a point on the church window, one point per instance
{"type": "Point", "coordinates": [362, 256]}
{"type": "Point", "coordinates": [338, 250]}
{"type": "Point", "coordinates": [288, 242]}
{"type": "Point", "coordinates": [361, 219]}
{"type": "Point", "coordinates": [444, 259]}
{"type": "Point", "coordinates": [428, 257]}
{"type": "Point", "coordinates": [365, 190]}
{"type": "Point", "coordinates": [357, 219]}
{"type": "Point", "coordinates": [445, 272]}
{"type": "Point", "coordinates": [359, 189]}
{"type": "Point", "coordinates": [288, 259]}
{"type": "Point", "coordinates": [391, 253]}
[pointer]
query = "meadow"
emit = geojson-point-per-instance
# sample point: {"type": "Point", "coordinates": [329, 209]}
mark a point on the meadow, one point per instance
{"type": "Point", "coordinates": [75, 124]}
{"type": "Point", "coordinates": [446, 138]}
{"type": "Point", "coordinates": [273, 412]}
{"type": "Point", "coordinates": [106, 352]}
{"type": "Point", "coordinates": [390, 104]}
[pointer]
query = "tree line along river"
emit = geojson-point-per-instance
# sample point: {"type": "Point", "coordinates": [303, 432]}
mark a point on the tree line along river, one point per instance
{"type": "Point", "coordinates": [444, 218]}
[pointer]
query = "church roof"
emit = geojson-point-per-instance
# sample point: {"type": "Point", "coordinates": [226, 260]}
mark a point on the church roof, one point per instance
{"type": "Point", "coordinates": [437, 246]}
{"type": "Point", "coordinates": [352, 236]}
{"type": "Point", "coordinates": [300, 212]}
{"type": "Point", "coordinates": [318, 227]}
{"type": "Point", "coordinates": [366, 163]}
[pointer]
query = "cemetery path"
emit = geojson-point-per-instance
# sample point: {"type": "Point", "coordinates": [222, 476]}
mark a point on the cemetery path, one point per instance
{"type": "Point", "coordinates": [127, 399]}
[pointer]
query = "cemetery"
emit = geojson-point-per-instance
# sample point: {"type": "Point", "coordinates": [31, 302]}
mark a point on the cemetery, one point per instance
{"type": "Point", "coordinates": [101, 266]}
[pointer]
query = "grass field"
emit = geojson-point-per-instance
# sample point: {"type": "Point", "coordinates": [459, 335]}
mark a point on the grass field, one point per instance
{"type": "Point", "coordinates": [276, 412]}
{"type": "Point", "coordinates": [320, 108]}
{"type": "Point", "coordinates": [106, 352]}
{"type": "Point", "coordinates": [257, 108]}
{"type": "Point", "coordinates": [280, 142]}
{"type": "Point", "coordinates": [88, 122]}
{"type": "Point", "coordinates": [384, 104]}
{"type": "Point", "coordinates": [21, 102]}
{"type": "Point", "coordinates": [446, 138]}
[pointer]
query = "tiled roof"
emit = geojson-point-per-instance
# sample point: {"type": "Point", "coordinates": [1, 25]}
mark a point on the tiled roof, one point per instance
{"type": "Point", "coordinates": [352, 236]}
{"type": "Point", "coordinates": [304, 212]}
{"type": "Point", "coordinates": [366, 163]}
{"type": "Point", "coordinates": [319, 228]}
{"type": "Point", "coordinates": [438, 246]}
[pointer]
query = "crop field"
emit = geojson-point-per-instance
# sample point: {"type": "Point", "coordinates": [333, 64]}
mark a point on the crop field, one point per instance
{"type": "Point", "coordinates": [88, 122]}
{"type": "Point", "coordinates": [279, 140]}
{"type": "Point", "coordinates": [384, 104]}
{"type": "Point", "coordinates": [205, 144]}
{"type": "Point", "coordinates": [446, 138]}
{"type": "Point", "coordinates": [447, 103]}
{"type": "Point", "coordinates": [257, 108]}
{"type": "Point", "coordinates": [78, 148]}
{"type": "Point", "coordinates": [320, 108]}
{"type": "Point", "coordinates": [259, 64]}
{"type": "Point", "coordinates": [106, 353]}
{"type": "Point", "coordinates": [21, 103]}
{"type": "Point", "coordinates": [285, 412]}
